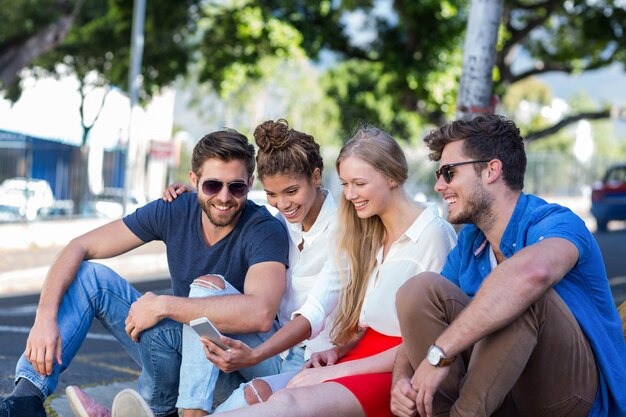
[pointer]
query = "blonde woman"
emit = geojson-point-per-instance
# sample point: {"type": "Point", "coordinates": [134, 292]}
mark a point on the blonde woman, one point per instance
{"type": "Point", "coordinates": [387, 238]}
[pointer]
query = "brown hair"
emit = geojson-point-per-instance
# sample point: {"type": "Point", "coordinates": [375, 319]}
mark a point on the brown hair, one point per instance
{"type": "Point", "coordinates": [285, 151]}
{"type": "Point", "coordinates": [360, 239]}
{"type": "Point", "coordinates": [488, 136]}
{"type": "Point", "coordinates": [225, 145]}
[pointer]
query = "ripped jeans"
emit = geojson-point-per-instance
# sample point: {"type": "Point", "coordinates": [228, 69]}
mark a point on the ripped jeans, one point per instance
{"type": "Point", "coordinates": [290, 366]}
{"type": "Point", "coordinates": [100, 293]}
{"type": "Point", "coordinates": [200, 381]}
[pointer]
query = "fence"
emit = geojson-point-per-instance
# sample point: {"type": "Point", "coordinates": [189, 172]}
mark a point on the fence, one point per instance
{"type": "Point", "coordinates": [57, 163]}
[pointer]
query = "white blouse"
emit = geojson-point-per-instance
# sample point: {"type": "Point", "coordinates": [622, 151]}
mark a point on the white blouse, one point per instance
{"type": "Point", "coordinates": [313, 277]}
{"type": "Point", "coordinates": [423, 247]}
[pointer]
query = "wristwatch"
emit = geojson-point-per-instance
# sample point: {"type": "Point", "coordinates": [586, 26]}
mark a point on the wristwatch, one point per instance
{"type": "Point", "coordinates": [436, 357]}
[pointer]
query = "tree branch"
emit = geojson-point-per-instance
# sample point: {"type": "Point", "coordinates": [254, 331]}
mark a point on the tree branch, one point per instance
{"type": "Point", "coordinates": [602, 114]}
{"type": "Point", "coordinates": [542, 68]}
{"type": "Point", "coordinates": [24, 51]}
{"type": "Point", "coordinates": [517, 36]}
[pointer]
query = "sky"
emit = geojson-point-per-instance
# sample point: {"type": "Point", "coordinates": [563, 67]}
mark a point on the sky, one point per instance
{"type": "Point", "coordinates": [48, 108]}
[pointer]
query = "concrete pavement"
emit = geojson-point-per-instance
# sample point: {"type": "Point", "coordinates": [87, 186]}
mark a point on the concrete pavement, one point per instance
{"type": "Point", "coordinates": [28, 249]}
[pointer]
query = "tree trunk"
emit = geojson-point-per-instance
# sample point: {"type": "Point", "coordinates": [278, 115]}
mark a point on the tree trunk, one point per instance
{"type": "Point", "coordinates": [22, 53]}
{"type": "Point", "coordinates": [82, 194]}
{"type": "Point", "coordinates": [479, 57]}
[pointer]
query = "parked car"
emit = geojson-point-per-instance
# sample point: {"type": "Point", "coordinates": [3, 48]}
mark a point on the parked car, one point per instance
{"type": "Point", "coordinates": [608, 197]}
{"type": "Point", "coordinates": [25, 198]}
{"type": "Point", "coordinates": [109, 203]}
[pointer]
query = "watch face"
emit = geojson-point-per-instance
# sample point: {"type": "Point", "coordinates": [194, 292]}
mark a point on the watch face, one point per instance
{"type": "Point", "coordinates": [434, 355]}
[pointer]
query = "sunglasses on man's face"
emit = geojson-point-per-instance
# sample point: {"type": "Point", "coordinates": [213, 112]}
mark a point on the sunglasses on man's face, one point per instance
{"type": "Point", "coordinates": [236, 188]}
{"type": "Point", "coordinates": [446, 170]}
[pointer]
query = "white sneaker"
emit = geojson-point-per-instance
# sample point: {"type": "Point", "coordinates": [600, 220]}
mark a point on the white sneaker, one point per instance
{"type": "Point", "coordinates": [128, 403]}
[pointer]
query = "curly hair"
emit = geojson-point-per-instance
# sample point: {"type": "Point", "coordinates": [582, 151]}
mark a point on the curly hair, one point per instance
{"type": "Point", "coordinates": [285, 151]}
{"type": "Point", "coordinates": [489, 136]}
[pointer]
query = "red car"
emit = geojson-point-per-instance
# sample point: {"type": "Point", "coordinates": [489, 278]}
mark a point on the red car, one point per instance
{"type": "Point", "coordinates": [608, 197]}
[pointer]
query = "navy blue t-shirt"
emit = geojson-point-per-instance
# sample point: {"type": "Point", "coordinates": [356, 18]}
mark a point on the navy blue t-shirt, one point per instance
{"type": "Point", "coordinates": [257, 237]}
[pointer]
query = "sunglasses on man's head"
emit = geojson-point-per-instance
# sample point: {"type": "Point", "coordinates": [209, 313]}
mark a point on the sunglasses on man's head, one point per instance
{"type": "Point", "coordinates": [446, 170]}
{"type": "Point", "coordinates": [236, 188]}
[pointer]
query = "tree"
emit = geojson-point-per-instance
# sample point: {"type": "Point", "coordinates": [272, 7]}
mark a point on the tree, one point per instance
{"type": "Point", "coordinates": [91, 41]}
{"type": "Point", "coordinates": [31, 28]}
{"type": "Point", "coordinates": [408, 69]}
{"type": "Point", "coordinates": [411, 58]}
{"type": "Point", "coordinates": [398, 68]}
{"type": "Point", "coordinates": [570, 37]}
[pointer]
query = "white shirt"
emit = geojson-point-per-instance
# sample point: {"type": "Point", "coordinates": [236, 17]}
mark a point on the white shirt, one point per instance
{"type": "Point", "coordinates": [424, 246]}
{"type": "Point", "coordinates": [313, 277]}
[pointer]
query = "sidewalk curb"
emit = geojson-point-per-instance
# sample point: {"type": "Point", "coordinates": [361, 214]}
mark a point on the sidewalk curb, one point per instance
{"type": "Point", "coordinates": [132, 268]}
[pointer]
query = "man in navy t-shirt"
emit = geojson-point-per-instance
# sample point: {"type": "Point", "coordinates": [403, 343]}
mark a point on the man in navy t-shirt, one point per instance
{"type": "Point", "coordinates": [521, 321]}
{"type": "Point", "coordinates": [232, 252]}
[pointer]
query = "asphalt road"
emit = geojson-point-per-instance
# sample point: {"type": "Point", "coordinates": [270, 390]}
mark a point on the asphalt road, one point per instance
{"type": "Point", "coordinates": [101, 360]}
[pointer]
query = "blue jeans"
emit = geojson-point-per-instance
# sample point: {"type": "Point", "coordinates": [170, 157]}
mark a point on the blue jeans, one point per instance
{"type": "Point", "coordinates": [98, 292]}
{"type": "Point", "coordinates": [290, 366]}
{"type": "Point", "coordinates": [200, 381]}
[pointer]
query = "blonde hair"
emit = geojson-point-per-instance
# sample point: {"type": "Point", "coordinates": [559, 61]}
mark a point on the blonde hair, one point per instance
{"type": "Point", "coordinates": [360, 239]}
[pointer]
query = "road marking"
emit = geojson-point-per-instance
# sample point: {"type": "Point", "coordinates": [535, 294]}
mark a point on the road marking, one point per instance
{"type": "Point", "coordinates": [25, 310]}
{"type": "Point", "coordinates": [617, 280]}
{"type": "Point", "coordinates": [23, 329]}
{"type": "Point", "coordinates": [121, 369]}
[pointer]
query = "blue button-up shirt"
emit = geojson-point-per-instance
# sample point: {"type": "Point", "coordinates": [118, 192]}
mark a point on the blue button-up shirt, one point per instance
{"type": "Point", "coordinates": [585, 288]}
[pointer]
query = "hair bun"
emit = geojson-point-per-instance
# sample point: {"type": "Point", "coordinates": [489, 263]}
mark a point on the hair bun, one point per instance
{"type": "Point", "coordinates": [272, 135]}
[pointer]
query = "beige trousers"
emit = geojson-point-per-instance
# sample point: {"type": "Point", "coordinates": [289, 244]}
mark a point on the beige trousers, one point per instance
{"type": "Point", "coordinates": [539, 365]}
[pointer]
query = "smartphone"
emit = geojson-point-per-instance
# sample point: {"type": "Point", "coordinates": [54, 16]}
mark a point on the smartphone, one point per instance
{"type": "Point", "coordinates": [205, 328]}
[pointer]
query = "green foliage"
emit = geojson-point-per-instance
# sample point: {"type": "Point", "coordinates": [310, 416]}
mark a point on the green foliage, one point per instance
{"type": "Point", "coordinates": [407, 69]}
{"type": "Point", "coordinates": [530, 90]}
{"type": "Point", "coordinates": [361, 90]}
{"type": "Point", "coordinates": [288, 89]}
{"type": "Point", "coordinates": [398, 69]}
{"type": "Point", "coordinates": [21, 19]}
{"type": "Point", "coordinates": [99, 40]}
{"type": "Point", "coordinates": [583, 34]}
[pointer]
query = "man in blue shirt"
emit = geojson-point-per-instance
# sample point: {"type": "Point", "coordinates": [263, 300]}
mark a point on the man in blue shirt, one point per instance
{"type": "Point", "coordinates": [521, 321]}
{"type": "Point", "coordinates": [228, 250]}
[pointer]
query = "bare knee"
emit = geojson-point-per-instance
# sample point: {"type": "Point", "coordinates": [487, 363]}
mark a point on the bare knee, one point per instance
{"type": "Point", "coordinates": [288, 399]}
{"type": "Point", "coordinates": [214, 282]}
{"type": "Point", "coordinates": [257, 391]}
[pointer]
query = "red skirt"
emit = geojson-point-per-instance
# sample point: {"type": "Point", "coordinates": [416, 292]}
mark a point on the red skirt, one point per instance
{"type": "Point", "coordinates": [372, 390]}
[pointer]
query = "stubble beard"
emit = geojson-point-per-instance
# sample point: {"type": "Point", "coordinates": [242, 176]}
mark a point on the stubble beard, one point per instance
{"type": "Point", "coordinates": [478, 209]}
{"type": "Point", "coordinates": [206, 207]}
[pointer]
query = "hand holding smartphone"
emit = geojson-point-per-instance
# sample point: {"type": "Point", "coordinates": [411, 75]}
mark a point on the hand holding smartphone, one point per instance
{"type": "Point", "coordinates": [205, 328]}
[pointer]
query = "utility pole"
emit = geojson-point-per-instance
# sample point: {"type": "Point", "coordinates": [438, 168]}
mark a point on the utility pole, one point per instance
{"type": "Point", "coordinates": [479, 57]}
{"type": "Point", "coordinates": [134, 82]}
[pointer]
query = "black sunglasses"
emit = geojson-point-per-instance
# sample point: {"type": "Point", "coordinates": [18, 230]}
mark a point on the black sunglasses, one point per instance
{"type": "Point", "coordinates": [237, 188]}
{"type": "Point", "coordinates": [446, 170]}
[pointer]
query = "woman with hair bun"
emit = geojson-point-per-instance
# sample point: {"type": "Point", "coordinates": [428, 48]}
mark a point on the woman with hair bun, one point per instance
{"type": "Point", "coordinates": [289, 165]}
